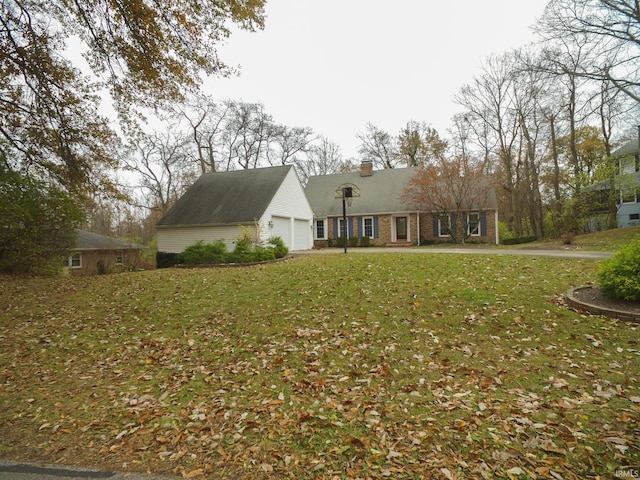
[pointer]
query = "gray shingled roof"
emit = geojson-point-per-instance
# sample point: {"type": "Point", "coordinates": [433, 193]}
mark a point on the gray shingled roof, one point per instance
{"type": "Point", "coordinates": [629, 148]}
{"type": "Point", "coordinates": [226, 198]}
{"type": "Point", "coordinates": [379, 193]}
{"type": "Point", "coordinates": [94, 241]}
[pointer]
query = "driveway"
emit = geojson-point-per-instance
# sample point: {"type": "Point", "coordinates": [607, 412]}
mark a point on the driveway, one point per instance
{"type": "Point", "coordinates": [30, 471]}
{"type": "Point", "coordinates": [531, 252]}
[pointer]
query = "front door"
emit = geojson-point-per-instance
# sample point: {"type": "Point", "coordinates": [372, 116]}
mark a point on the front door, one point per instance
{"type": "Point", "coordinates": [401, 228]}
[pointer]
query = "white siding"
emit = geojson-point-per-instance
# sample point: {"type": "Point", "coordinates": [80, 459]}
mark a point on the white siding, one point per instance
{"type": "Point", "coordinates": [281, 228]}
{"type": "Point", "coordinates": [175, 240]}
{"type": "Point", "coordinates": [290, 202]}
{"type": "Point", "coordinates": [289, 213]}
{"type": "Point", "coordinates": [302, 235]}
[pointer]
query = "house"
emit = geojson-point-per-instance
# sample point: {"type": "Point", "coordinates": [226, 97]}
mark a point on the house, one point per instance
{"type": "Point", "coordinates": [627, 180]}
{"type": "Point", "coordinates": [377, 213]}
{"type": "Point", "coordinates": [269, 201]}
{"type": "Point", "coordinates": [626, 196]}
{"type": "Point", "coordinates": [97, 254]}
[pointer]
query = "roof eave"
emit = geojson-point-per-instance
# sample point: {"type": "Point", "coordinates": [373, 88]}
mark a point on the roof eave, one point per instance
{"type": "Point", "coordinates": [201, 225]}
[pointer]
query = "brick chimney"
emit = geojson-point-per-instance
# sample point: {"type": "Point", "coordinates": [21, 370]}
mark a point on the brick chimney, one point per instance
{"type": "Point", "coordinates": [366, 168]}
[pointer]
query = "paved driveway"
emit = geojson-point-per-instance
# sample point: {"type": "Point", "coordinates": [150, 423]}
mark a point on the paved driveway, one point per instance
{"type": "Point", "coordinates": [30, 471]}
{"type": "Point", "coordinates": [559, 253]}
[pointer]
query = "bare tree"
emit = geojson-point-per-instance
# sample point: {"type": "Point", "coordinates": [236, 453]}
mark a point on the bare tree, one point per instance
{"type": "Point", "coordinates": [162, 167]}
{"type": "Point", "coordinates": [322, 158]}
{"type": "Point", "coordinates": [378, 146]}
{"type": "Point", "coordinates": [610, 28]}
{"type": "Point", "coordinates": [418, 144]}
{"type": "Point", "coordinates": [248, 134]}
{"type": "Point", "coordinates": [207, 121]}
{"type": "Point", "coordinates": [489, 104]}
{"type": "Point", "coordinates": [530, 90]}
{"type": "Point", "coordinates": [287, 142]}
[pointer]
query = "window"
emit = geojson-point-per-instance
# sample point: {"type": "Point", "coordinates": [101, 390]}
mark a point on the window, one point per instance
{"type": "Point", "coordinates": [628, 165]}
{"type": "Point", "coordinates": [634, 216]}
{"type": "Point", "coordinates": [74, 261]}
{"type": "Point", "coordinates": [628, 195]}
{"type": "Point", "coordinates": [321, 229]}
{"type": "Point", "coordinates": [473, 224]}
{"type": "Point", "coordinates": [367, 227]}
{"type": "Point", "coordinates": [444, 225]}
{"type": "Point", "coordinates": [119, 257]}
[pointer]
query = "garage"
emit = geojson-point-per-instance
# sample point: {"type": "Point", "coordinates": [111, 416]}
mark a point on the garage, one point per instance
{"type": "Point", "coordinates": [282, 228]}
{"type": "Point", "coordinates": [301, 235]}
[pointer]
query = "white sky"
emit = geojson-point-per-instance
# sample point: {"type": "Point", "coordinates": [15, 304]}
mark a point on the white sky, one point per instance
{"type": "Point", "coordinates": [334, 65]}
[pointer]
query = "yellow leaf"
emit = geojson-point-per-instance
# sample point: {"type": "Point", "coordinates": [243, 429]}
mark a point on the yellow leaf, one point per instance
{"type": "Point", "coordinates": [193, 473]}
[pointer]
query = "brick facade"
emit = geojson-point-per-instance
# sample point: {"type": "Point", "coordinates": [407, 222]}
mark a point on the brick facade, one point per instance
{"type": "Point", "coordinates": [426, 225]}
{"type": "Point", "coordinates": [386, 230]}
{"type": "Point", "coordinates": [381, 191]}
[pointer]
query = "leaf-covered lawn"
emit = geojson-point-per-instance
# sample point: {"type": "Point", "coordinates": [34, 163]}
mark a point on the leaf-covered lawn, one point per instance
{"type": "Point", "coordinates": [338, 366]}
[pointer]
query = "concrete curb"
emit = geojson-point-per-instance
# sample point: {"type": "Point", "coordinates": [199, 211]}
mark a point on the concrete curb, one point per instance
{"type": "Point", "coordinates": [10, 470]}
{"type": "Point", "coordinates": [579, 305]}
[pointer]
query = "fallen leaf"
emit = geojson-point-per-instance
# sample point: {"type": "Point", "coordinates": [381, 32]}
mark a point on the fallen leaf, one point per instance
{"type": "Point", "coordinates": [447, 473]}
{"type": "Point", "coordinates": [616, 440]}
{"type": "Point", "coordinates": [356, 442]}
{"type": "Point", "coordinates": [193, 473]}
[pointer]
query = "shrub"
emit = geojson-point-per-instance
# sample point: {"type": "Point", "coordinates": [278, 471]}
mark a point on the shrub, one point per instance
{"type": "Point", "coordinates": [238, 257]}
{"type": "Point", "coordinates": [503, 232]}
{"type": "Point", "coordinates": [243, 245]}
{"type": "Point", "coordinates": [166, 260]}
{"type": "Point", "coordinates": [365, 241]}
{"type": "Point", "coordinates": [201, 253]}
{"type": "Point", "coordinates": [518, 240]}
{"type": "Point", "coordinates": [567, 237]}
{"type": "Point", "coordinates": [353, 241]}
{"type": "Point", "coordinates": [280, 250]}
{"type": "Point", "coordinates": [263, 254]}
{"type": "Point", "coordinates": [619, 277]}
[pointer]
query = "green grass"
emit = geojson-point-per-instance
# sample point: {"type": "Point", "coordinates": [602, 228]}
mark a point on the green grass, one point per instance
{"type": "Point", "coordinates": [606, 240]}
{"type": "Point", "coordinates": [323, 366]}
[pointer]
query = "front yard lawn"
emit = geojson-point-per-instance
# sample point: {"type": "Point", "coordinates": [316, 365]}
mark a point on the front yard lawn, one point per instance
{"type": "Point", "coordinates": [322, 366]}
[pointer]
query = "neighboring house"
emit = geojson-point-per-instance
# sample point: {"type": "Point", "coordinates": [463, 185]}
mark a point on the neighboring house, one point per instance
{"type": "Point", "coordinates": [377, 212]}
{"type": "Point", "coordinates": [627, 190]}
{"type": "Point", "coordinates": [219, 205]}
{"type": "Point", "coordinates": [627, 168]}
{"type": "Point", "coordinates": [97, 254]}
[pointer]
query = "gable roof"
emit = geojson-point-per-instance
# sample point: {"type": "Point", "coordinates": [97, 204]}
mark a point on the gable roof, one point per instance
{"type": "Point", "coordinates": [632, 147]}
{"type": "Point", "coordinates": [226, 198]}
{"type": "Point", "coordinates": [94, 241]}
{"type": "Point", "coordinates": [379, 193]}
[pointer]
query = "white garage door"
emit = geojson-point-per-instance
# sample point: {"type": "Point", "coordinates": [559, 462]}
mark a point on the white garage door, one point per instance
{"type": "Point", "coordinates": [282, 228]}
{"type": "Point", "coordinates": [301, 235]}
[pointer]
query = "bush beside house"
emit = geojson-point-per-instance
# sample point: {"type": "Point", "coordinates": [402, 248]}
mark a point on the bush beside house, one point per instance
{"type": "Point", "coordinates": [619, 276]}
{"type": "Point", "coordinates": [216, 253]}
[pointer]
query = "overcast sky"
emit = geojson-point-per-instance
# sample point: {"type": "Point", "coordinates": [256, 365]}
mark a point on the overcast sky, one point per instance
{"type": "Point", "coordinates": [334, 65]}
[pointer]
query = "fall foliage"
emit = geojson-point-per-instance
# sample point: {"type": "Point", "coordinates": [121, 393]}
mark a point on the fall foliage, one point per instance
{"type": "Point", "coordinates": [450, 189]}
{"type": "Point", "coordinates": [370, 366]}
{"type": "Point", "coordinates": [144, 53]}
